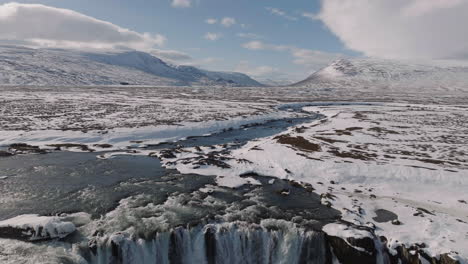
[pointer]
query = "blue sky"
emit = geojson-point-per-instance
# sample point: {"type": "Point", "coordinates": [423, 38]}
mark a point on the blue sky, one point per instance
{"type": "Point", "coordinates": [267, 39]}
{"type": "Point", "coordinates": [185, 30]}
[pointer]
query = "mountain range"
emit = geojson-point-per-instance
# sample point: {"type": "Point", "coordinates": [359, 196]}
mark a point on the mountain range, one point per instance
{"type": "Point", "coordinates": [59, 67]}
{"type": "Point", "coordinates": [26, 66]}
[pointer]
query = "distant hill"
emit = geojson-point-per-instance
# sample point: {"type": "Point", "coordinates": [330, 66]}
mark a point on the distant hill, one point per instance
{"type": "Point", "coordinates": [373, 74]}
{"type": "Point", "coordinates": [25, 66]}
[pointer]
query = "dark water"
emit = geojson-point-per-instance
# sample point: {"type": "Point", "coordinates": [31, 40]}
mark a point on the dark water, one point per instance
{"type": "Point", "coordinates": [60, 182]}
{"type": "Point", "coordinates": [65, 182]}
{"type": "Point", "coordinates": [242, 135]}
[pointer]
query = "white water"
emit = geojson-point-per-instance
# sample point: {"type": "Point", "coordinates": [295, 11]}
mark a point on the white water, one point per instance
{"type": "Point", "coordinates": [269, 242]}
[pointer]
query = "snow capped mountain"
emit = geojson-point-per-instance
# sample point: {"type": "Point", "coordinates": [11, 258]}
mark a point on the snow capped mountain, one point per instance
{"type": "Point", "coordinates": [188, 75]}
{"type": "Point", "coordinates": [378, 74]}
{"type": "Point", "coordinates": [25, 66]}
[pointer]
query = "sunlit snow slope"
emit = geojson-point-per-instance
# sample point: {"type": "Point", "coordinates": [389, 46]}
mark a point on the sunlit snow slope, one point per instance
{"type": "Point", "coordinates": [373, 74]}
{"type": "Point", "coordinates": [25, 66]}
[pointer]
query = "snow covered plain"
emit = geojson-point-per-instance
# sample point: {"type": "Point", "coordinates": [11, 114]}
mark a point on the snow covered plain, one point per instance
{"type": "Point", "coordinates": [116, 116]}
{"type": "Point", "coordinates": [395, 164]}
{"type": "Point", "coordinates": [405, 162]}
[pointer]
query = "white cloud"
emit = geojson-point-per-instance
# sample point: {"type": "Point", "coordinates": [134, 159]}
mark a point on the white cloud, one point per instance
{"type": "Point", "coordinates": [401, 29]}
{"type": "Point", "coordinates": [313, 59]}
{"type": "Point", "coordinates": [254, 45]}
{"type": "Point", "coordinates": [44, 26]}
{"type": "Point", "coordinates": [259, 45]}
{"type": "Point", "coordinates": [171, 55]}
{"type": "Point", "coordinates": [249, 35]}
{"type": "Point", "coordinates": [228, 21]}
{"type": "Point", "coordinates": [281, 13]}
{"type": "Point", "coordinates": [225, 21]}
{"type": "Point", "coordinates": [181, 58]}
{"type": "Point", "coordinates": [212, 36]}
{"type": "Point", "coordinates": [310, 16]}
{"type": "Point", "coordinates": [211, 21]}
{"type": "Point", "coordinates": [181, 3]}
{"type": "Point", "coordinates": [202, 62]}
{"type": "Point", "coordinates": [422, 7]}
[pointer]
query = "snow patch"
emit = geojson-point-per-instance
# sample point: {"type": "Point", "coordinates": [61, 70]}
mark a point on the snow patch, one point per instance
{"type": "Point", "coordinates": [40, 227]}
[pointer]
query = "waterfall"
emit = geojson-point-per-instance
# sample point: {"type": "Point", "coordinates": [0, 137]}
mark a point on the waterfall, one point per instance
{"type": "Point", "coordinates": [271, 241]}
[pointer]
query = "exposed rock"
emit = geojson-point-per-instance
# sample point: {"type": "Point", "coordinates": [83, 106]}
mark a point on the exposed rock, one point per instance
{"type": "Point", "coordinates": [210, 161]}
{"type": "Point", "coordinates": [22, 148]}
{"type": "Point", "coordinates": [415, 254]}
{"type": "Point", "coordinates": [167, 154]}
{"type": "Point", "coordinates": [82, 147]}
{"type": "Point", "coordinates": [347, 252]}
{"type": "Point", "coordinates": [103, 146]}
{"type": "Point", "coordinates": [328, 196]}
{"type": "Point", "coordinates": [421, 212]}
{"type": "Point", "coordinates": [406, 256]}
{"type": "Point", "coordinates": [249, 174]}
{"type": "Point", "coordinates": [446, 259]}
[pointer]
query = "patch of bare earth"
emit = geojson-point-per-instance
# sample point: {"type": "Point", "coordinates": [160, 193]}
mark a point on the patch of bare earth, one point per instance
{"type": "Point", "coordinates": [298, 143]}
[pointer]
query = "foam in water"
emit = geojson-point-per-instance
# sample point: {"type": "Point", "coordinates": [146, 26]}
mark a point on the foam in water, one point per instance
{"type": "Point", "coordinates": [272, 241]}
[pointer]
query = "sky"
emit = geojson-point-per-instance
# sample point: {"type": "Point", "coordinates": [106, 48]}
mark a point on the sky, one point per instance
{"type": "Point", "coordinates": [267, 39]}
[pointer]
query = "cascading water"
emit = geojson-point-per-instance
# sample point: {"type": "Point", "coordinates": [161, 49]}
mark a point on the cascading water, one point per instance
{"type": "Point", "coordinates": [271, 241]}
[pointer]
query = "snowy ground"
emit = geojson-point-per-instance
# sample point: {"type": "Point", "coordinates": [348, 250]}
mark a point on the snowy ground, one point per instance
{"type": "Point", "coordinates": [375, 163]}
{"type": "Point", "coordinates": [398, 163]}
{"type": "Point", "coordinates": [117, 116]}
{"type": "Point", "coordinates": [99, 114]}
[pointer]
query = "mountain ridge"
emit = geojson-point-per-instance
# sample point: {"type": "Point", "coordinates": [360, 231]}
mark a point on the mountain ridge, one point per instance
{"type": "Point", "coordinates": [27, 66]}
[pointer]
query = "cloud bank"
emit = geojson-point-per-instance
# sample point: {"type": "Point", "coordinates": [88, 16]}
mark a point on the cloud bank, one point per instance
{"type": "Point", "coordinates": [44, 26]}
{"type": "Point", "coordinates": [228, 21]}
{"type": "Point", "coordinates": [400, 29]}
{"type": "Point", "coordinates": [211, 21]}
{"type": "Point", "coordinates": [280, 13]}
{"type": "Point", "coordinates": [212, 36]}
{"type": "Point", "coordinates": [181, 3]}
{"type": "Point", "coordinates": [173, 56]}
